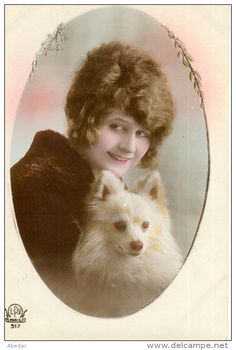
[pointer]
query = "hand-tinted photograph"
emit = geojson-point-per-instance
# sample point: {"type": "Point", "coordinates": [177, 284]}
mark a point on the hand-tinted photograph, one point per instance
{"type": "Point", "coordinates": [110, 161]}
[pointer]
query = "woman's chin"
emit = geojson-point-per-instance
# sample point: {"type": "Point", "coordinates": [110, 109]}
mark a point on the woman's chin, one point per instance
{"type": "Point", "coordinates": [118, 172]}
{"type": "Point", "coordinates": [116, 169]}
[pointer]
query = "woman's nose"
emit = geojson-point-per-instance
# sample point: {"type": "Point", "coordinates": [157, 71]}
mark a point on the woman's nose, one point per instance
{"type": "Point", "coordinates": [128, 143]}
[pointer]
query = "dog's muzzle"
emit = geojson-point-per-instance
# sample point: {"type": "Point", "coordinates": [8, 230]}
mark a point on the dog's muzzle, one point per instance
{"type": "Point", "coordinates": [136, 247]}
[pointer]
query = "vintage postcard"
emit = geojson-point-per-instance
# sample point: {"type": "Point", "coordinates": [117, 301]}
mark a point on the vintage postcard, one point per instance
{"type": "Point", "coordinates": [117, 173]}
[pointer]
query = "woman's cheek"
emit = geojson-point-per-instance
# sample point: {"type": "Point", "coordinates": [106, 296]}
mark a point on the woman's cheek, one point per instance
{"type": "Point", "coordinates": [107, 138]}
{"type": "Point", "coordinates": [144, 146]}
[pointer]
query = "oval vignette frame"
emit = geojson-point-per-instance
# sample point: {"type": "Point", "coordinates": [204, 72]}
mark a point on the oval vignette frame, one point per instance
{"type": "Point", "coordinates": [175, 166]}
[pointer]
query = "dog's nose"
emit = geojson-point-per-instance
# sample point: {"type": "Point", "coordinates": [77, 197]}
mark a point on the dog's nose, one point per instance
{"type": "Point", "coordinates": [136, 245]}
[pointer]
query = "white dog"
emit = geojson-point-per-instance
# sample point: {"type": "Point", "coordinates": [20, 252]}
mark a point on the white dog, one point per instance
{"type": "Point", "coordinates": [127, 255]}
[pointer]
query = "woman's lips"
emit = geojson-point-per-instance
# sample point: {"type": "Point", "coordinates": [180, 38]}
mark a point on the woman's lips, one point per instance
{"type": "Point", "coordinates": [119, 159]}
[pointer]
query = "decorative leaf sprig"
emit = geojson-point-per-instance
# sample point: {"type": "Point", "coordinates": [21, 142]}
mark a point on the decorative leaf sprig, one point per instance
{"type": "Point", "coordinates": [52, 43]}
{"type": "Point", "coordinates": [186, 60]}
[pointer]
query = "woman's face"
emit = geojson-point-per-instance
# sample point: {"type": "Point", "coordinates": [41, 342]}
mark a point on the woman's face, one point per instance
{"type": "Point", "coordinates": [122, 144]}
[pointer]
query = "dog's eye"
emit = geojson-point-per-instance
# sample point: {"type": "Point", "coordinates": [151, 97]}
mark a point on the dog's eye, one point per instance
{"type": "Point", "coordinates": [120, 225]}
{"type": "Point", "coordinates": [145, 225]}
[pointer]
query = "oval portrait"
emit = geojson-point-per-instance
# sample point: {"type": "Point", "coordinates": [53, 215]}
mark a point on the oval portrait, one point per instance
{"type": "Point", "coordinates": [110, 161]}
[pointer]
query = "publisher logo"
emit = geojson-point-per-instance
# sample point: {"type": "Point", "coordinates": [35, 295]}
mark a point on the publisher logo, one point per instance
{"type": "Point", "coordinates": [15, 314]}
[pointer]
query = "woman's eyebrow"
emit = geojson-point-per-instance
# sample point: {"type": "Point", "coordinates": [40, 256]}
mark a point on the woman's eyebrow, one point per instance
{"type": "Point", "coordinates": [117, 119]}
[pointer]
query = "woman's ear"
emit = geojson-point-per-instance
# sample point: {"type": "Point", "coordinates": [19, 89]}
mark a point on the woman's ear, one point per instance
{"type": "Point", "coordinates": [106, 184]}
{"type": "Point", "coordinates": [151, 185]}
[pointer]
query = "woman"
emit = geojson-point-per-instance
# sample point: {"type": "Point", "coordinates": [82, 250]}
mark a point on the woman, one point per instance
{"type": "Point", "coordinates": [119, 109]}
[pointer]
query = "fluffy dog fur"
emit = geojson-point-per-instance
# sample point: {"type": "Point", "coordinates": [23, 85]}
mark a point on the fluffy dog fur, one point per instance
{"type": "Point", "coordinates": [127, 255]}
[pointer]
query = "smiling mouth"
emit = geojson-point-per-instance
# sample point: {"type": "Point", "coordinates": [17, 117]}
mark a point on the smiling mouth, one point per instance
{"type": "Point", "coordinates": [119, 159]}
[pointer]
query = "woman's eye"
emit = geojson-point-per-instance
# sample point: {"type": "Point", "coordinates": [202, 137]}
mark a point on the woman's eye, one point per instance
{"type": "Point", "coordinates": [143, 133]}
{"type": "Point", "coordinates": [118, 127]}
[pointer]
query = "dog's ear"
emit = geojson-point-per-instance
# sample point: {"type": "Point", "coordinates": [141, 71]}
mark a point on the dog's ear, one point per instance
{"type": "Point", "coordinates": [151, 185]}
{"type": "Point", "coordinates": [106, 184]}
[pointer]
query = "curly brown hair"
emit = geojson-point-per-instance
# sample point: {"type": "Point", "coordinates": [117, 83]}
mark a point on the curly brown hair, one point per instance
{"type": "Point", "coordinates": [118, 77]}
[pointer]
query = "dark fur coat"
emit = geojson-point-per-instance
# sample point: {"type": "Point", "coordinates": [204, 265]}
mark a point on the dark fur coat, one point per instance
{"type": "Point", "coordinates": [49, 185]}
